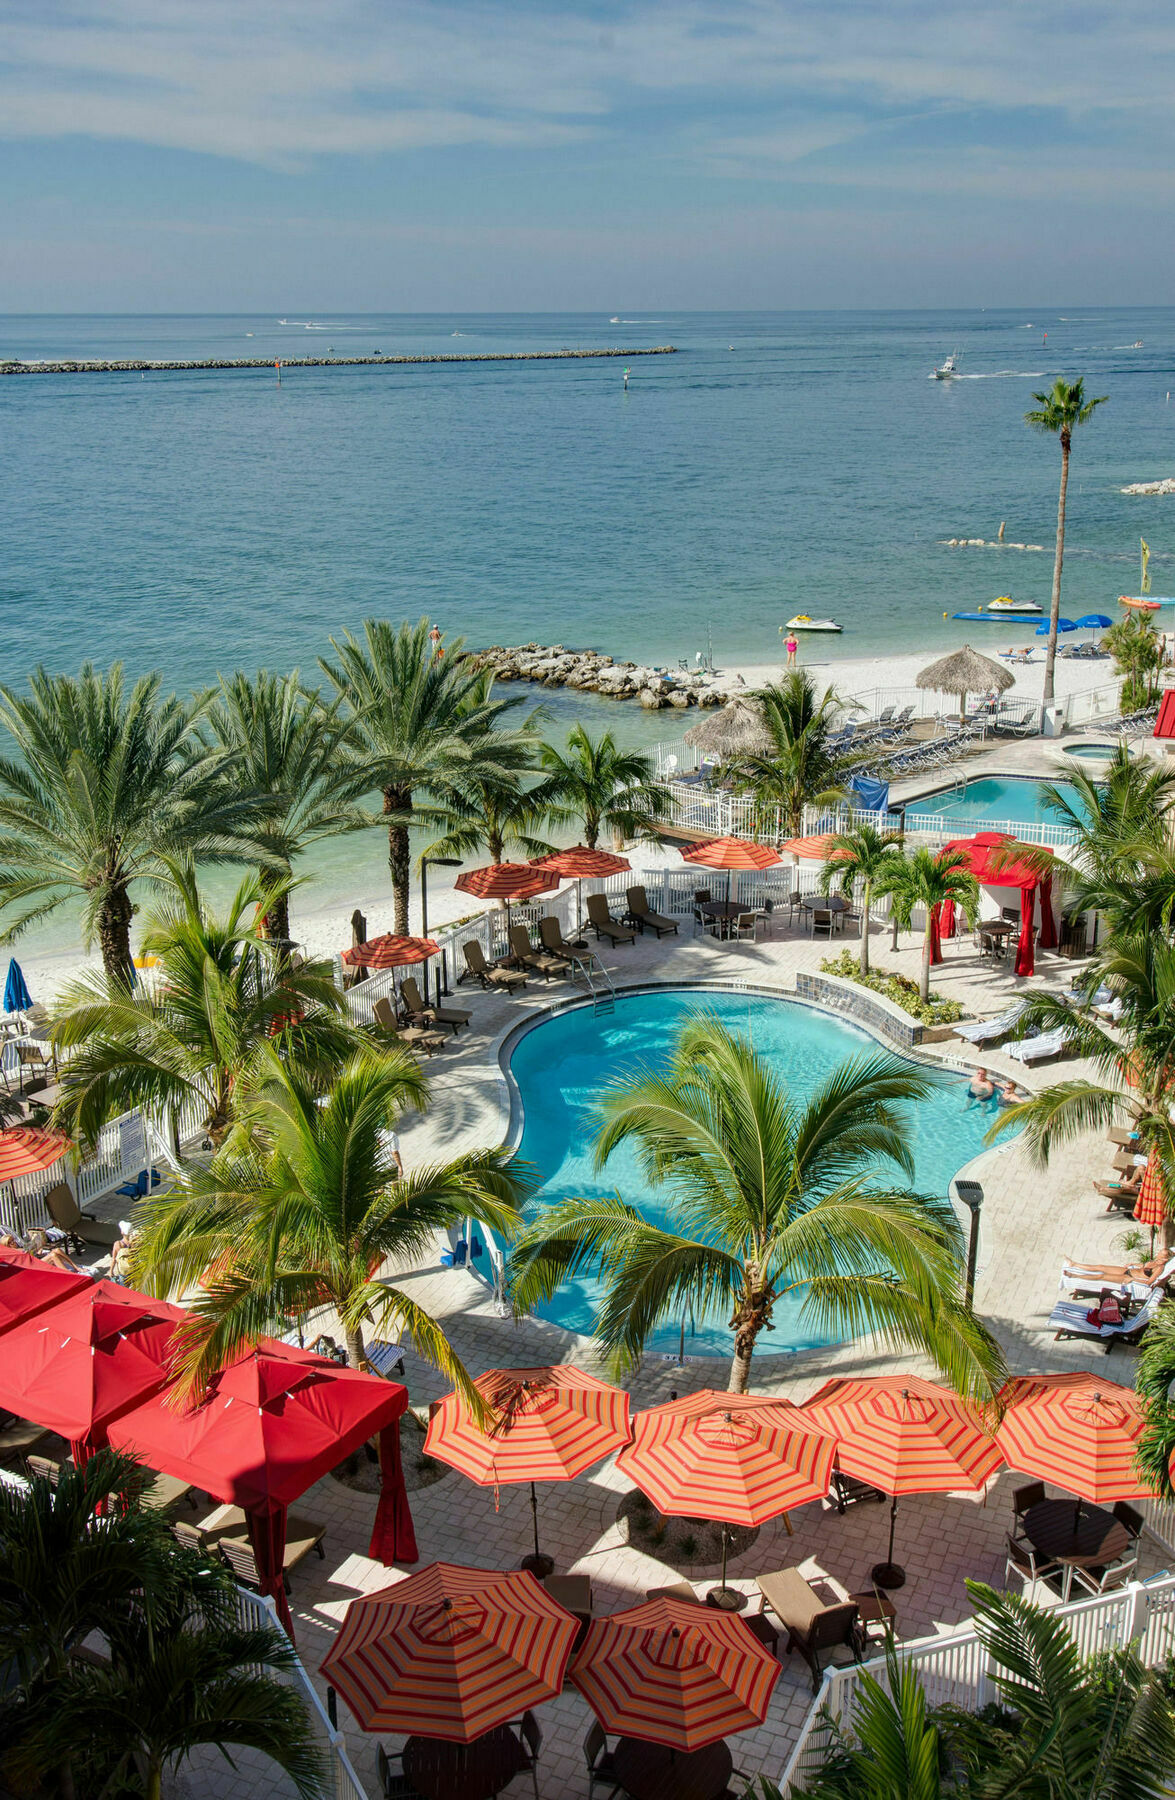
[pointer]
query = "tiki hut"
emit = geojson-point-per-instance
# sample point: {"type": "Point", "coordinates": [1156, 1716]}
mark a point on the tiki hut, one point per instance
{"type": "Point", "coordinates": [738, 730]}
{"type": "Point", "coordinates": [965, 672]}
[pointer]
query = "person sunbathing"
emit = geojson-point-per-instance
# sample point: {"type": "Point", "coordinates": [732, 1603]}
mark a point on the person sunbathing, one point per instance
{"type": "Point", "coordinates": [52, 1255]}
{"type": "Point", "coordinates": [1113, 1190]}
{"type": "Point", "coordinates": [1147, 1273]}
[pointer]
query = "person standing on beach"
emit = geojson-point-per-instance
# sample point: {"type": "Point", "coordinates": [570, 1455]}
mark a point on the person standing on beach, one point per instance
{"type": "Point", "coordinates": [792, 647]}
{"type": "Point", "coordinates": [434, 638]}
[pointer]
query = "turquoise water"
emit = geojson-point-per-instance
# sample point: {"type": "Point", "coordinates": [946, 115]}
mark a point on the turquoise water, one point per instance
{"type": "Point", "coordinates": [1089, 752]}
{"type": "Point", "coordinates": [991, 800]}
{"type": "Point", "coordinates": [561, 1065]}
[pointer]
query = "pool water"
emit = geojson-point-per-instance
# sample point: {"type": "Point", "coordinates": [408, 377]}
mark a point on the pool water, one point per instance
{"type": "Point", "coordinates": [1089, 752]}
{"type": "Point", "coordinates": [990, 800]}
{"type": "Point", "coordinates": [562, 1064]}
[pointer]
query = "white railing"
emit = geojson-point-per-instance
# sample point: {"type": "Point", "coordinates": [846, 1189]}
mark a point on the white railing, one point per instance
{"type": "Point", "coordinates": [258, 1610]}
{"type": "Point", "coordinates": [1094, 704]}
{"type": "Point", "coordinates": [955, 1669]}
{"type": "Point", "coordinates": [936, 827]}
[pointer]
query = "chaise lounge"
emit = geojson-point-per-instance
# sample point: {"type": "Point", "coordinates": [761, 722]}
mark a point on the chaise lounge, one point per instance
{"type": "Point", "coordinates": [604, 925]}
{"type": "Point", "coordinates": [646, 919]}
{"type": "Point", "coordinates": [986, 1031]}
{"type": "Point", "coordinates": [487, 973]}
{"type": "Point", "coordinates": [811, 1624]}
{"type": "Point", "coordinates": [541, 961]}
{"type": "Point", "coordinates": [420, 1014]}
{"type": "Point", "coordinates": [1069, 1318]}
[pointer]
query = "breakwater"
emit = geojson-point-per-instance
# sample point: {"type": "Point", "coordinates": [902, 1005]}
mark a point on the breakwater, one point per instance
{"type": "Point", "coordinates": [555, 666]}
{"type": "Point", "coordinates": [135, 365]}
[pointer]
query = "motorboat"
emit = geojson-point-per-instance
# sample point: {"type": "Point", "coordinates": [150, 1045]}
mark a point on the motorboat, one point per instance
{"type": "Point", "coordinates": [1003, 608]}
{"type": "Point", "coordinates": [803, 622]}
{"type": "Point", "coordinates": [947, 370]}
{"type": "Point", "coordinates": [1004, 603]}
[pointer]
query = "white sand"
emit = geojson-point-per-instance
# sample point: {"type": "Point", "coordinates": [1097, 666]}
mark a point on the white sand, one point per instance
{"type": "Point", "coordinates": [862, 674]}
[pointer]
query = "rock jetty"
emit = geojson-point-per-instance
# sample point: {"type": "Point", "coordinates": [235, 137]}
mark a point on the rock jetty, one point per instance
{"type": "Point", "coordinates": [988, 543]}
{"type": "Point", "coordinates": [134, 365]}
{"type": "Point", "coordinates": [553, 665]}
{"type": "Point", "coordinates": [1166, 486]}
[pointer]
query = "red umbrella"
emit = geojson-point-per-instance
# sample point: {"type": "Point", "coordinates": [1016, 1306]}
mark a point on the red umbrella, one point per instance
{"type": "Point", "coordinates": [27, 1287]}
{"type": "Point", "coordinates": [26, 1150]}
{"type": "Point", "coordinates": [390, 952]}
{"type": "Point", "coordinates": [507, 881]}
{"type": "Point", "coordinates": [451, 1652]}
{"type": "Point", "coordinates": [580, 862]}
{"type": "Point", "coordinates": [73, 1369]}
{"type": "Point", "coordinates": [1076, 1430]}
{"type": "Point", "coordinates": [732, 853]}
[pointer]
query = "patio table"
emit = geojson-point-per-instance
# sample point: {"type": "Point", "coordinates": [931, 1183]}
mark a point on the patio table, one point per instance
{"type": "Point", "coordinates": [443, 1771]}
{"type": "Point", "coordinates": [1075, 1535]}
{"type": "Point", "coordinates": [724, 911]}
{"type": "Point", "coordinates": [654, 1772]}
{"type": "Point", "coordinates": [835, 904]}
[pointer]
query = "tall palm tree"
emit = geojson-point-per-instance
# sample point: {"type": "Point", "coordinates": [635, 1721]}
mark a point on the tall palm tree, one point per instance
{"type": "Point", "coordinates": [419, 731]}
{"type": "Point", "coordinates": [285, 744]}
{"type": "Point", "coordinates": [1059, 412]}
{"type": "Point", "coordinates": [305, 1214]}
{"type": "Point", "coordinates": [604, 788]}
{"type": "Point", "coordinates": [865, 856]}
{"type": "Point", "coordinates": [498, 816]}
{"type": "Point", "coordinates": [802, 768]}
{"type": "Point", "coordinates": [1122, 863]}
{"type": "Point", "coordinates": [103, 788]}
{"type": "Point", "coordinates": [928, 878]}
{"type": "Point", "coordinates": [775, 1198]}
{"type": "Point", "coordinates": [193, 1037]}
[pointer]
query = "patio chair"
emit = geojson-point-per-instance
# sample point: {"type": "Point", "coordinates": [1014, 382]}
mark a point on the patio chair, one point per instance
{"type": "Point", "coordinates": [1069, 1318]}
{"type": "Point", "coordinates": [421, 1014]}
{"type": "Point", "coordinates": [850, 1492]}
{"type": "Point", "coordinates": [301, 1538]}
{"type": "Point", "coordinates": [812, 1626]}
{"type": "Point", "coordinates": [1037, 1049]}
{"type": "Point", "coordinates": [43, 1468]}
{"type": "Point", "coordinates": [394, 1784]}
{"type": "Point", "coordinates": [986, 1031]}
{"type": "Point", "coordinates": [541, 961]}
{"type": "Point", "coordinates": [640, 910]}
{"type": "Point", "coordinates": [1024, 1561]}
{"type": "Point", "coordinates": [743, 927]}
{"type": "Point", "coordinates": [822, 922]}
{"type": "Point", "coordinates": [604, 925]}
{"type": "Point", "coordinates": [489, 975]}
{"type": "Point", "coordinates": [1106, 1577]}
{"type": "Point", "coordinates": [531, 1737]}
{"type": "Point", "coordinates": [417, 1037]}
{"type": "Point", "coordinates": [674, 1590]}
{"type": "Point", "coordinates": [552, 939]}
{"type": "Point", "coordinates": [601, 1770]}
{"type": "Point", "coordinates": [794, 904]}
{"type": "Point", "coordinates": [1025, 1498]}
{"type": "Point", "coordinates": [82, 1230]}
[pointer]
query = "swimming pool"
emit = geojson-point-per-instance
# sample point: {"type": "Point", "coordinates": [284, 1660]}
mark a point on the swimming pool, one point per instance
{"type": "Point", "coordinates": [990, 801]}
{"type": "Point", "coordinates": [561, 1064]}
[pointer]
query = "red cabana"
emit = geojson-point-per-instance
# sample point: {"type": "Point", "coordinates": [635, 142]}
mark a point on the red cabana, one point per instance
{"type": "Point", "coordinates": [268, 1427]}
{"type": "Point", "coordinates": [1165, 723]}
{"type": "Point", "coordinates": [989, 857]}
{"type": "Point", "coordinates": [27, 1286]}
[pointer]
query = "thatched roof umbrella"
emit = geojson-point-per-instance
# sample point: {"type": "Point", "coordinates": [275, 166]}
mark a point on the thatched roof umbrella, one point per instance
{"type": "Point", "coordinates": [737, 730]}
{"type": "Point", "coordinates": [965, 672]}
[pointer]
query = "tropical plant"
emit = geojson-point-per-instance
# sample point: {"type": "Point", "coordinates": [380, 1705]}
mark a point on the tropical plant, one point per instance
{"type": "Point", "coordinates": [1153, 1379]}
{"type": "Point", "coordinates": [802, 767]}
{"type": "Point", "coordinates": [307, 1210]}
{"type": "Point", "coordinates": [1060, 412]}
{"type": "Point", "coordinates": [775, 1198]}
{"type": "Point", "coordinates": [860, 856]}
{"type": "Point", "coordinates": [420, 731]}
{"type": "Point", "coordinates": [1137, 650]}
{"type": "Point", "coordinates": [492, 809]}
{"type": "Point", "coordinates": [192, 1037]}
{"type": "Point", "coordinates": [928, 879]}
{"type": "Point", "coordinates": [181, 1672]}
{"type": "Point", "coordinates": [106, 787]}
{"type": "Point", "coordinates": [602, 787]}
{"type": "Point", "coordinates": [1122, 863]}
{"type": "Point", "coordinates": [934, 1010]}
{"type": "Point", "coordinates": [1068, 1727]}
{"type": "Point", "coordinates": [286, 745]}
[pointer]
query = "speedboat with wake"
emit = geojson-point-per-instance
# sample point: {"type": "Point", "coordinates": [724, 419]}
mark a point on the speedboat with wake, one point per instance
{"type": "Point", "coordinates": [947, 370]}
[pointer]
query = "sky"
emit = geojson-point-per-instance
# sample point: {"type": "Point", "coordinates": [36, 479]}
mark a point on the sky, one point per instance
{"type": "Point", "coordinates": [465, 155]}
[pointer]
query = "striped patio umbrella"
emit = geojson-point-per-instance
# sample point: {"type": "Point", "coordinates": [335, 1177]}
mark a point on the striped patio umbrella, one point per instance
{"type": "Point", "coordinates": [905, 1435]}
{"type": "Point", "coordinates": [388, 952]}
{"type": "Point", "coordinates": [732, 853]}
{"type": "Point", "coordinates": [673, 1673]}
{"type": "Point", "coordinates": [451, 1652]}
{"type": "Point", "coordinates": [1077, 1430]}
{"type": "Point", "coordinates": [580, 863]}
{"type": "Point", "coordinates": [507, 881]}
{"type": "Point", "coordinates": [740, 1458]}
{"type": "Point", "coordinates": [1150, 1208]}
{"type": "Point", "coordinates": [26, 1150]}
{"type": "Point", "coordinates": [545, 1425]}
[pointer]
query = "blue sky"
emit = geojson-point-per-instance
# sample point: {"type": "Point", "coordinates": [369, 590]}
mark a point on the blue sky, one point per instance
{"type": "Point", "coordinates": [191, 155]}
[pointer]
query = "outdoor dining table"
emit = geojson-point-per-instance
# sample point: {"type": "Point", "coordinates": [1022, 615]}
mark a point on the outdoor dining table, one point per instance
{"type": "Point", "coordinates": [1074, 1534]}
{"type": "Point", "coordinates": [444, 1771]}
{"type": "Point", "coordinates": [654, 1772]}
{"type": "Point", "coordinates": [725, 912]}
{"type": "Point", "coordinates": [835, 904]}
{"type": "Point", "coordinates": [996, 933]}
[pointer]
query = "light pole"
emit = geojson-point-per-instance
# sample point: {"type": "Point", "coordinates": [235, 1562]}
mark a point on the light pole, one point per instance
{"type": "Point", "coordinates": [438, 862]}
{"type": "Point", "coordinates": [971, 1195]}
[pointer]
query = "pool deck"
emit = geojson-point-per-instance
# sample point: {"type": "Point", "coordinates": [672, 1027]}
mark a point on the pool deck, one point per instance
{"type": "Point", "coordinates": [1031, 1221]}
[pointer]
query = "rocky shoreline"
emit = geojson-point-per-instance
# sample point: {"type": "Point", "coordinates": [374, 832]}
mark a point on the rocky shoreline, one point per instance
{"type": "Point", "coordinates": [134, 366]}
{"type": "Point", "coordinates": [1166, 486]}
{"type": "Point", "coordinates": [653, 686]}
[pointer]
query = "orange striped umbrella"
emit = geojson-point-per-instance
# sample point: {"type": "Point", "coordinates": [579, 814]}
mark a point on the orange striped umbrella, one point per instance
{"type": "Point", "coordinates": [546, 1425]}
{"type": "Point", "coordinates": [26, 1150]}
{"type": "Point", "coordinates": [1151, 1208]}
{"type": "Point", "coordinates": [580, 861]}
{"type": "Point", "coordinates": [673, 1673]}
{"type": "Point", "coordinates": [816, 848]}
{"type": "Point", "coordinates": [1076, 1430]}
{"type": "Point", "coordinates": [507, 881]}
{"type": "Point", "coordinates": [389, 952]}
{"type": "Point", "coordinates": [732, 853]}
{"type": "Point", "coordinates": [905, 1436]}
{"type": "Point", "coordinates": [451, 1652]}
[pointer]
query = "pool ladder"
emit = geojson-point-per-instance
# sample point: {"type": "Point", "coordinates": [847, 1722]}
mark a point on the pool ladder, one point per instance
{"type": "Point", "coordinates": [599, 983]}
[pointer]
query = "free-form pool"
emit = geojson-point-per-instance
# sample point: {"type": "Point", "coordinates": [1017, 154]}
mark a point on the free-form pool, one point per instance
{"type": "Point", "coordinates": [989, 802]}
{"type": "Point", "coordinates": [562, 1064]}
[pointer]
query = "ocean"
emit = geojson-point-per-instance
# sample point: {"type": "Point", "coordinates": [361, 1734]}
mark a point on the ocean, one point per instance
{"type": "Point", "coordinates": [204, 521]}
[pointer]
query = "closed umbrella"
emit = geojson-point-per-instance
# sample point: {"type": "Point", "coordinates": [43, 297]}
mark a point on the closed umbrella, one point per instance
{"type": "Point", "coordinates": [740, 1458]}
{"type": "Point", "coordinates": [1076, 1430]}
{"type": "Point", "coordinates": [905, 1435]}
{"type": "Point", "coordinates": [1151, 1205]}
{"type": "Point", "coordinates": [16, 995]}
{"type": "Point", "coordinates": [545, 1425]}
{"type": "Point", "coordinates": [451, 1652]}
{"type": "Point", "coordinates": [670, 1672]}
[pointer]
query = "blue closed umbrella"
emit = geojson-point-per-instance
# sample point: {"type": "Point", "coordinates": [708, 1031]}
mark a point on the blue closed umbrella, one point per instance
{"type": "Point", "coordinates": [16, 995]}
{"type": "Point", "coordinates": [1042, 629]}
{"type": "Point", "coordinates": [1094, 622]}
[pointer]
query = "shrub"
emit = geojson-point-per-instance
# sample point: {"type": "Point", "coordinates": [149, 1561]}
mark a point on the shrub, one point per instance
{"type": "Point", "coordinates": [898, 988]}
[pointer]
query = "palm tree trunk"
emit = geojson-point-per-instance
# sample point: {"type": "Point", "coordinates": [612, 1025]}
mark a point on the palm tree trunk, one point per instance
{"type": "Point", "coordinates": [114, 933]}
{"type": "Point", "coordinates": [355, 1350]}
{"type": "Point", "coordinates": [924, 971]}
{"type": "Point", "coordinates": [1050, 658]}
{"type": "Point", "coordinates": [154, 1782]}
{"type": "Point", "coordinates": [591, 828]}
{"type": "Point", "coordinates": [398, 800]}
{"type": "Point", "coordinates": [275, 920]}
{"type": "Point", "coordinates": [750, 1316]}
{"type": "Point", "coordinates": [866, 900]}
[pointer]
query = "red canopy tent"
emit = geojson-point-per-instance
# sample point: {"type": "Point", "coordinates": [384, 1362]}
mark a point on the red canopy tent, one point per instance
{"type": "Point", "coordinates": [27, 1286]}
{"type": "Point", "coordinates": [1165, 723]}
{"type": "Point", "coordinates": [268, 1427]}
{"type": "Point", "coordinates": [989, 857]}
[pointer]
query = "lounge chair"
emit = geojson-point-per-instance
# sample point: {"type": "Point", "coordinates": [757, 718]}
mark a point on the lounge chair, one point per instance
{"type": "Point", "coordinates": [420, 1014]}
{"type": "Point", "coordinates": [811, 1625]}
{"type": "Point", "coordinates": [604, 925]}
{"type": "Point", "coordinates": [1036, 1049]}
{"type": "Point", "coordinates": [301, 1538]}
{"type": "Point", "coordinates": [487, 973]}
{"type": "Point", "coordinates": [674, 1590]}
{"type": "Point", "coordinates": [986, 1031]}
{"type": "Point", "coordinates": [552, 939]}
{"type": "Point", "coordinates": [82, 1230]}
{"type": "Point", "coordinates": [1069, 1318]}
{"type": "Point", "coordinates": [541, 961]}
{"type": "Point", "coordinates": [646, 919]}
{"type": "Point", "coordinates": [417, 1037]}
{"type": "Point", "coordinates": [1136, 1283]}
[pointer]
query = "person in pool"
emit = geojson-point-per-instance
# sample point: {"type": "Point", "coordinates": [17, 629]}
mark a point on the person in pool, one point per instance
{"type": "Point", "coordinates": [982, 1086]}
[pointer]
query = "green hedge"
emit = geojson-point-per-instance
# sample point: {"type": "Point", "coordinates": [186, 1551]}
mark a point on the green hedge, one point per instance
{"type": "Point", "coordinates": [898, 988]}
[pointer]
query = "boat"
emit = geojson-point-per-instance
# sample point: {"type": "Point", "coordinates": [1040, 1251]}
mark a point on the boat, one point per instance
{"type": "Point", "coordinates": [949, 369]}
{"type": "Point", "coordinates": [1006, 604]}
{"type": "Point", "coordinates": [1003, 608]}
{"type": "Point", "coordinates": [1139, 603]}
{"type": "Point", "coordinates": [802, 622]}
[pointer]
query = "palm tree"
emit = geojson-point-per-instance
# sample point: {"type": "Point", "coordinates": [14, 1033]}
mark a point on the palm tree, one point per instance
{"type": "Point", "coordinates": [1059, 412]}
{"type": "Point", "coordinates": [862, 854]}
{"type": "Point", "coordinates": [498, 815]}
{"type": "Point", "coordinates": [192, 1038]}
{"type": "Point", "coordinates": [774, 1199]}
{"type": "Point", "coordinates": [284, 744]}
{"type": "Point", "coordinates": [928, 879]}
{"type": "Point", "coordinates": [602, 786]}
{"type": "Point", "coordinates": [305, 1214]}
{"type": "Point", "coordinates": [419, 732]}
{"type": "Point", "coordinates": [802, 768]}
{"type": "Point", "coordinates": [1122, 863]}
{"type": "Point", "coordinates": [104, 788]}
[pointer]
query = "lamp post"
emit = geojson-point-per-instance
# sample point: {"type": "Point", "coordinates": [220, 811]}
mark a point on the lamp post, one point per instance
{"type": "Point", "coordinates": [971, 1195]}
{"type": "Point", "coordinates": [438, 862]}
